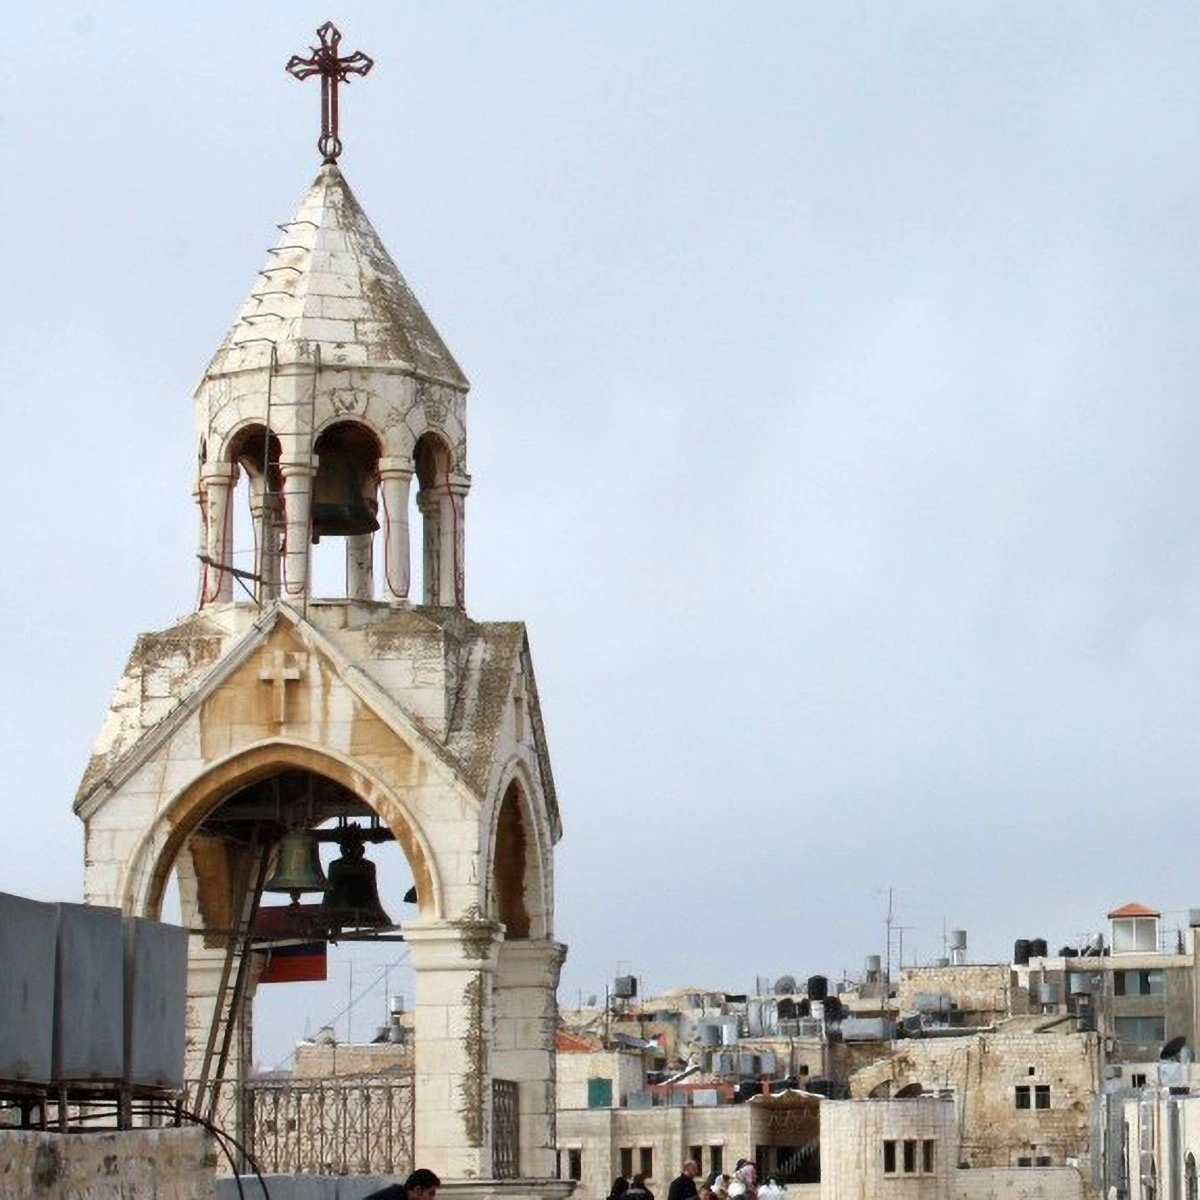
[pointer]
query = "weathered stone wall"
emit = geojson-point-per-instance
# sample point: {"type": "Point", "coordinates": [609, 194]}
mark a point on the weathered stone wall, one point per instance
{"type": "Point", "coordinates": [984, 1072]}
{"type": "Point", "coordinates": [1018, 1183]}
{"type": "Point", "coordinates": [575, 1068]}
{"type": "Point", "coordinates": [974, 987]}
{"type": "Point", "coordinates": [167, 1164]}
{"type": "Point", "coordinates": [853, 1133]}
{"type": "Point", "coordinates": [670, 1133]}
{"type": "Point", "coordinates": [320, 1060]}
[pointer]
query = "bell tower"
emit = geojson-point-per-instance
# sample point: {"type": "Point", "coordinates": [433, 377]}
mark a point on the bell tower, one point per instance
{"type": "Point", "coordinates": [332, 392]}
{"type": "Point", "coordinates": [270, 722]}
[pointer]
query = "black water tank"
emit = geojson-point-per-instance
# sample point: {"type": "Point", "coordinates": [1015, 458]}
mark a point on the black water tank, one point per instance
{"type": "Point", "coordinates": [787, 1009]}
{"type": "Point", "coordinates": [818, 987]}
{"type": "Point", "coordinates": [804, 1008]}
{"type": "Point", "coordinates": [1038, 948]}
{"type": "Point", "coordinates": [1068, 952]}
{"type": "Point", "coordinates": [1021, 952]}
{"type": "Point", "coordinates": [833, 1008]}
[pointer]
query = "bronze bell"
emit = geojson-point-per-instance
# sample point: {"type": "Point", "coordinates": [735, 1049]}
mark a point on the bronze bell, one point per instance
{"type": "Point", "coordinates": [343, 498]}
{"type": "Point", "coordinates": [352, 901]}
{"type": "Point", "coordinates": [298, 865]}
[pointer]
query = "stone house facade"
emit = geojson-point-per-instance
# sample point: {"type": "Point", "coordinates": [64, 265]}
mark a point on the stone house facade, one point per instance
{"type": "Point", "coordinates": [1021, 1098]}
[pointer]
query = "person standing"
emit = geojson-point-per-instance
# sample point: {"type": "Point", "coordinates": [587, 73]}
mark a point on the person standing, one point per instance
{"type": "Point", "coordinates": [422, 1184]}
{"type": "Point", "coordinates": [638, 1189]}
{"type": "Point", "coordinates": [683, 1186]}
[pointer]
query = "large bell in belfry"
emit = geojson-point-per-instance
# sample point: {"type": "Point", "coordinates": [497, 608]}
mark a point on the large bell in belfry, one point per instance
{"type": "Point", "coordinates": [297, 865]}
{"type": "Point", "coordinates": [343, 501]}
{"type": "Point", "coordinates": [352, 901]}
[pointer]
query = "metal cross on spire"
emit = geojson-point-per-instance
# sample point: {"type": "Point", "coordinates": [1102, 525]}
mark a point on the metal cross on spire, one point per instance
{"type": "Point", "coordinates": [324, 61]}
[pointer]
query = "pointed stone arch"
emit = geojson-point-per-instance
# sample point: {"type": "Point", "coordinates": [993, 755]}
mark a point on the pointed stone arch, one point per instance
{"type": "Point", "coordinates": [518, 857]}
{"type": "Point", "coordinates": [150, 866]}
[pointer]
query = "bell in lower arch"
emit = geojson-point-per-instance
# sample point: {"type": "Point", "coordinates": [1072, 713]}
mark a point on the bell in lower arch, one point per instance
{"type": "Point", "coordinates": [343, 501]}
{"type": "Point", "coordinates": [298, 865]}
{"type": "Point", "coordinates": [352, 901]}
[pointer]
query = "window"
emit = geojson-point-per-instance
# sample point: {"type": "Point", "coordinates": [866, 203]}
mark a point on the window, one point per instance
{"type": "Point", "coordinates": [1144, 1030]}
{"type": "Point", "coordinates": [1134, 935]}
{"type": "Point", "coordinates": [1139, 983]}
{"type": "Point", "coordinates": [646, 1162]}
{"type": "Point", "coordinates": [558, 1164]}
{"type": "Point", "coordinates": [889, 1157]}
{"type": "Point", "coordinates": [696, 1154]}
{"type": "Point", "coordinates": [1137, 1079]}
{"type": "Point", "coordinates": [910, 1157]}
{"type": "Point", "coordinates": [1024, 1162]}
{"type": "Point", "coordinates": [927, 1159]}
{"type": "Point", "coordinates": [627, 1161]}
{"type": "Point", "coordinates": [1031, 1071]}
{"type": "Point", "coordinates": [599, 1092]}
{"type": "Point", "coordinates": [1022, 1096]}
{"type": "Point", "coordinates": [574, 1164]}
{"type": "Point", "coordinates": [1044, 1160]}
{"type": "Point", "coordinates": [1191, 1191]}
{"type": "Point", "coordinates": [715, 1157]}
{"type": "Point", "coordinates": [1041, 1096]}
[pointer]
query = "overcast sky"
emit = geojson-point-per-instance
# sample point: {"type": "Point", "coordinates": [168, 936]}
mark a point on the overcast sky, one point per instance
{"type": "Point", "coordinates": [834, 428]}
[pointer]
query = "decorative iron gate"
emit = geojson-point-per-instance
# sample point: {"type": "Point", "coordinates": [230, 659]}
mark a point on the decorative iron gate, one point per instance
{"type": "Point", "coordinates": [506, 1129]}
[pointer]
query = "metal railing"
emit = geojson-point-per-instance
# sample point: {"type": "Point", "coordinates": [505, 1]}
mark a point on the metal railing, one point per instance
{"type": "Point", "coordinates": [344, 1125]}
{"type": "Point", "coordinates": [506, 1129]}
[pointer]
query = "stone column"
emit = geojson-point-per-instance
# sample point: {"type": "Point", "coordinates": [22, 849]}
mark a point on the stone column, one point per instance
{"type": "Point", "coordinates": [217, 479]}
{"type": "Point", "coordinates": [526, 1007]}
{"type": "Point", "coordinates": [453, 503]}
{"type": "Point", "coordinates": [360, 566]}
{"type": "Point", "coordinates": [297, 498]}
{"type": "Point", "coordinates": [395, 476]}
{"type": "Point", "coordinates": [455, 962]}
{"type": "Point", "coordinates": [429, 501]}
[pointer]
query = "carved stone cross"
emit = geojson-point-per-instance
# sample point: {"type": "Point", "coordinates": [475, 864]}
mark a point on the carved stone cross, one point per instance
{"type": "Point", "coordinates": [279, 674]}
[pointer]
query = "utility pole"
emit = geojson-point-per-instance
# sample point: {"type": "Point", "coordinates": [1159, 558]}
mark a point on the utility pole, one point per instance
{"type": "Point", "coordinates": [887, 974]}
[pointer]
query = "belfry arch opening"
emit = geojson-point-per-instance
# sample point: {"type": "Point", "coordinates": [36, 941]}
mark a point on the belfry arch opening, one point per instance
{"type": "Point", "coordinates": [441, 518]}
{"type": "Point", "coordinates": [517, 893]}
{"type": "Point", "coordinates": [247, 836]}
{"type": "Point", "coordinates": [255, 513]}
{"type": "Point", "coordinates": [344, 516]}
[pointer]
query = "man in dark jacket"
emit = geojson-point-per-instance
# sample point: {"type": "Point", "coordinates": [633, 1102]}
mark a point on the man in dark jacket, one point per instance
{"type": "Point", "coordinates": [684, 1186]}
{"type": "Point", "coordinates": [422, 1184]}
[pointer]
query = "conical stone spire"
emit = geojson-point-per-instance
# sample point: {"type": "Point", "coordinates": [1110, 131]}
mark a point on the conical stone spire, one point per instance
{"type": "Point", "coordinates": [329, 281]}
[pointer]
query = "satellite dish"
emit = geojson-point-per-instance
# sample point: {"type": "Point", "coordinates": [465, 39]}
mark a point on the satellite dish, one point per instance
{"type": "Point", "coordinates": [1170, 1052]}
{"type": "Point", "coordinates": [908, 1091]}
